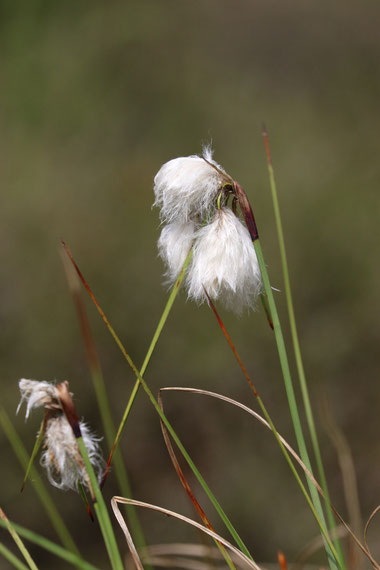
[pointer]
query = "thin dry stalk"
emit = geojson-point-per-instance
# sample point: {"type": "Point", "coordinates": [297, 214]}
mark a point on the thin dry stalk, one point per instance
{"type": "Point", "coordinates": [365, 551]}
{"type": "Point", "coordinates": [367, 525]}
{"type": "Point", "coordinates": [114, 503]}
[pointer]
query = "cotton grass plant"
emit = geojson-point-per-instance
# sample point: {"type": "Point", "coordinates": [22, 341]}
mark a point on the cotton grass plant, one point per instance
{"type": "Point", "coordinates": [210, 245]}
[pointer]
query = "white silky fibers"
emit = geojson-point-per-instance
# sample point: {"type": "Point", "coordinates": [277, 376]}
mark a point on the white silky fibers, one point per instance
{"type": "Point", "coordinates": [174, 245]}
{"type": "Point", "coordinates": [186, 187]}
{"type": "Point", "coordinates": [224, 263]}
{"type": "Point", "coordinates": [61, 457]}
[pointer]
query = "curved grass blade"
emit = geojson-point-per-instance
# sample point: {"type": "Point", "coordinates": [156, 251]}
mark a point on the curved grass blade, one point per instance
{"type": "Point", "coordinates": [154, 402]}
{"type": "Point", "coordinates": [47, 502]}
{"type": "Point", "coordinates": [371, 517]}
{"type": "Point", "coordinates": [214, 535]}
{"type": "Point", "coordinates": [292, 452]}
{"type": "Point", "coordinates": [296, 343]}
{"type": "Point", "coordinates": [8, 555]}
{"type": "Point", "coordinates": [20, 545]}
{"type": "Point", "coordinates": [52, 547]}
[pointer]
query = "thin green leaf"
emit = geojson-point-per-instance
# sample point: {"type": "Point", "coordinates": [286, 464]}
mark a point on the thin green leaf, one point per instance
{"type": "Point", "coordinates": [36, 447]}
{"type": "Point", "coordinates": [296, 346]}
{"type": "Point", "coordinates": [332, 556]}
{"type": "Point", "coordinates": [101, 512]}
{"type": "Point", "coordinates": [20, 545]}
{"type": "Point", "coordinates": [52, 547]}
{"type": "Point", "coordinates": [8, 555]}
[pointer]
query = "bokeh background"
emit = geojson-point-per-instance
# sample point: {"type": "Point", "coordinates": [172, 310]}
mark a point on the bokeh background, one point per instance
{"type": "Point", "coordinates": [94, 98]}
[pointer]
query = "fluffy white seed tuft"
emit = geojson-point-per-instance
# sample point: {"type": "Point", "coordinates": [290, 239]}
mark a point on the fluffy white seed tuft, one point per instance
{"type": "Point", "coordinates": [37, 394]}
{"type": "Point", "coordinates": [186, 187]}
{"type": "Point", "coordinates": [174, 245]}
{"type": "Point", "coordinates": [61, 456]}
{"type": "Point", "coordinates": [224, 263]}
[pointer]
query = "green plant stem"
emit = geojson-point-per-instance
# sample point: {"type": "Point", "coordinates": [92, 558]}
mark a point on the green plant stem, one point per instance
{"type": "Point", "coordinates": [8, 555]}
{"type": "Point", "coordinates": [156, 336]}
{"type": "Point", "coordinates": [101, 511]}
{"type": "Point", "coordinates": [291, 397]}
{"type": "Point", "coordinates": [33, 455]}
{"type": "Point", "coordinates": [298, 355]}
{"type": "Point", "coordinates": [20, 545]}
{"type": "Point", "coordinates": [52, 547]}
{"type": "Point", "coordinates": [43, 495]}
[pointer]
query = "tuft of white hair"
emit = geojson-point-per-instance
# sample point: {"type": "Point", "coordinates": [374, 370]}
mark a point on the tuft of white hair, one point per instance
{"type": "Point", "coordinates": [186, 187]}
{"type": "Point", "coordinates": [174, 245]}
{"type": "Point", "coordinates": [61, 457]}
{"type": "Point", "coordinates": [36, 394]}
{"type": "Point", "coordinates": [224, 263]}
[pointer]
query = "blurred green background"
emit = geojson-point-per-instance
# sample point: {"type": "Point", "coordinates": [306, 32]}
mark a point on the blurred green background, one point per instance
{"type": "Point", "coordinates": [94, 98]}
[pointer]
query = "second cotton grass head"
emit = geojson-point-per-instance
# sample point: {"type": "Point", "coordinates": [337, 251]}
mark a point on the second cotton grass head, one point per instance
{"type": "Point", "coordinates": [60, 457]}
{"type": "Point", "coordinates": [193, 194]}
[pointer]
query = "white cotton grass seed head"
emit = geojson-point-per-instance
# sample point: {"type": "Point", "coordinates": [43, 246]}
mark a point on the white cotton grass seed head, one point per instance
{"type": "Point", "coordinates": [37, 394]}
{"type": "Point", "coordinates": [224, 263]}
{"type": "Point", "coordinates": [174, 245]}
{"type": "Point", "coordinates": [186, 187]}
{"type": "Point", "coordinates": [61, 457]}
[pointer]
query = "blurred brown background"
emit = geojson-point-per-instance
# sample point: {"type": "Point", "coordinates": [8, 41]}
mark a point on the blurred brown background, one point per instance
{"type": "Point", "coordinates": [94, 98]}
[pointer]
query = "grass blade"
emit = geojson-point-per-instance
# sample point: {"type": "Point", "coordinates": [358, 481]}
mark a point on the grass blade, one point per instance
{"type": "Point", "coordinates": [246, 210]}
{"type": "Point", "coordinates": [52, 547]}
{"type": "Point", "coordinates": [8, 555]}
{"type": "Point", "coordinates": [333, 559]}
{"type": "Point", "coordinates": [34, 453]}
{"type": "Point", "coordinates": [296, 344]}
{"type": "Point", "coordinates": [216, 537]}
{"type": "Point", "coordinates": [20, 545]}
